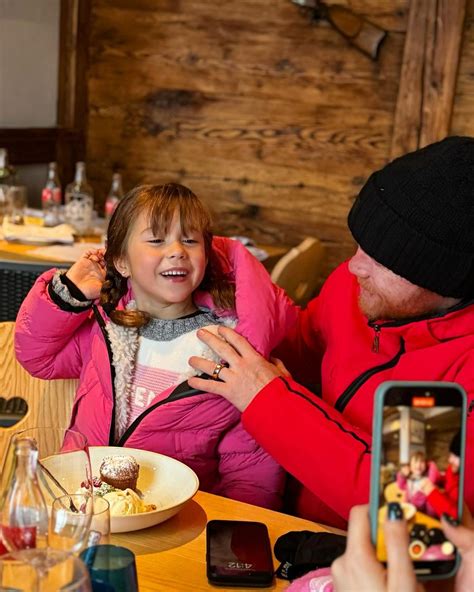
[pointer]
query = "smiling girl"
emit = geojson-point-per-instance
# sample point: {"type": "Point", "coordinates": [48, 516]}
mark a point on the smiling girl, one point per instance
{"type": "Point", "coordinates": [124, 322]}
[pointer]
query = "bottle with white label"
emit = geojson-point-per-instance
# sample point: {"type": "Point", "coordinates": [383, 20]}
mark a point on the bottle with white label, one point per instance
{"type": "Point", "coordinates": [79, 202]}
{"type": "Point", "coordinates": [51, 196]}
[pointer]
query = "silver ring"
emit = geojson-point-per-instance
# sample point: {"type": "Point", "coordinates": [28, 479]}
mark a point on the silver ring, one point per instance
{"type": "Point", "coordinates": [217, 370]}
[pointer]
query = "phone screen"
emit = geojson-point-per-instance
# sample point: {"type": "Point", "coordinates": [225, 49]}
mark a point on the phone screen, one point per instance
{"type": "Point", "coordinates": [238, 553]}
{"type": "Point", "coordinates": [420, 466]}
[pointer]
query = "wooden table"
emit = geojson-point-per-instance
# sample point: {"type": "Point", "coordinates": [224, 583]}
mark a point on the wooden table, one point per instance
{"type": "Point", "coordinates": [172, 556]}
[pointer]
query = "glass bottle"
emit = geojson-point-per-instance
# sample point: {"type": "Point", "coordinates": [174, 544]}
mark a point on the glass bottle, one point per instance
{"type": "Point", "coordinates": [114, 196]}
{"type": "Point", "coordinates": [79, 202]}
{"type": "Point", "coordinates": [23, 511]}
{"type": "Point", "coordinates": [7, 179]}
{"type": "Point", "coordinates": [51, 196]}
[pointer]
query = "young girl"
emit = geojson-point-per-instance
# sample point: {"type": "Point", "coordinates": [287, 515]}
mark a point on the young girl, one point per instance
{"type": "Point", "coordinates": [412, 479]}
{"type": "Point", "coordinates": [124, 322]}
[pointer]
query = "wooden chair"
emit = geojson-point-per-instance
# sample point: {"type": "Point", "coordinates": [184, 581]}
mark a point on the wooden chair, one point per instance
{"type": "Point", "coordinates": [298, 272]}
{"type": "Point", "coordinates": [49, 401]}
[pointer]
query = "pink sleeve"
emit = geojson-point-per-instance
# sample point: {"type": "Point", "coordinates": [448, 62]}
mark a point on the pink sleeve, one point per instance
{"type": "Point", "coordinates": [246, 472]}
{"type": "Point", "coordinates": [48, 340]}
{"type": "Point", "coordinates": [401, 481]}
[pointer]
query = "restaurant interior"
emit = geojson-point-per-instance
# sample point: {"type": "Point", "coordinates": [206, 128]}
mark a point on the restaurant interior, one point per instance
{"type": "Point", "coordinates": [274, 113]}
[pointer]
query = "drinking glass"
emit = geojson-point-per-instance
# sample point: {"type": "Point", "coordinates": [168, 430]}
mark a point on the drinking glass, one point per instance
{"type": "Point", "coordinates": [99, 533]}
{"type": "Point", "coordinates": [16, 199]}
{"type": "Point", "coordinates": [111, 568]}
{"type": "Point", "coordinates": [62, 466]}
{"type": "Point", "coordinates": [69, 523]}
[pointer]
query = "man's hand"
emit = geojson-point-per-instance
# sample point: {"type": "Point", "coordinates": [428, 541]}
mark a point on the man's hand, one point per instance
{"type": "Point", "coordinates": [426, 486]}
{"type": "Point", "coordinates": [88, 273]}
{"type": "Point", "coordinates": [246, 371]}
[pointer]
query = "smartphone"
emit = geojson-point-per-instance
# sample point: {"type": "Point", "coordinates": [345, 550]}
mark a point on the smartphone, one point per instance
{"type": "Point", "coordinates": [238, 554]}
{"type": "Point", "coordinates": [418, 455]}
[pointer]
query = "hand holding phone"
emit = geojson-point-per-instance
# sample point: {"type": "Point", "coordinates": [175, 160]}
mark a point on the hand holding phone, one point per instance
{"type": "Point", "coordinates": [238, 554]}
{"type": "Point", "coordinates": [418, 461]}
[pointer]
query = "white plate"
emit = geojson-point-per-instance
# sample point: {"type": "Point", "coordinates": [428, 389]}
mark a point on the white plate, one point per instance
{"type": "Point", "coordinates": [163, 481]}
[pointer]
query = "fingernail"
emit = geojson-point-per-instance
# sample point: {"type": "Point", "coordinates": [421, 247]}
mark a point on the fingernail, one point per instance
{"type": "Point", "coordinates": [394, 511]}
{"type": "Point", "coordinates": [450, 519]}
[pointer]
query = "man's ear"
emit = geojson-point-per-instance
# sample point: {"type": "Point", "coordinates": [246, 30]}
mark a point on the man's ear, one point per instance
{"type": "Point", "coordinates": [121, 266]}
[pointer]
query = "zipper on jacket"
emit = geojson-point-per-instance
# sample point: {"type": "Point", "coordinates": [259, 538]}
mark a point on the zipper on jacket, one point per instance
{"type": "Point", "coordinates": [182, 391]}
{"type": "Point", "coordinates": [101, 323]}
{"type": "Point", "coordinates": [376, 341]}
{"type": "Point", "coordinates": [351, 390]}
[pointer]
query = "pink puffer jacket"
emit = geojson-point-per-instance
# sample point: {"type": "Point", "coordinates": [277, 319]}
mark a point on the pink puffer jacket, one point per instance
{"type": "Point", "coordinates": [201, 429]}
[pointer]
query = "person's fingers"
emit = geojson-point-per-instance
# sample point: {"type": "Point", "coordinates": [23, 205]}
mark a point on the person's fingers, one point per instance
{"type": "Point", "coordinates": [239, 343]}
{"type": "Point", "coordinates": [206, 366]}
{"type": "Point", "coordinates": [358, 535]}
{"type": "Point", "coordinates": [460, 536]}
{"type": "Point", "coordinates": [401, 575]}
{"type": "Point", "coordinates": [208, 386]}
{"type": "Point", "coordinates": [221, 347]}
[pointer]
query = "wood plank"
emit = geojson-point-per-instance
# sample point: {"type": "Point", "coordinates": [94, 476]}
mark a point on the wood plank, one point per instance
{"type": "Point", "coordinates": [275, 122]}
{"type": "Point", "coordinates": [430, 60]}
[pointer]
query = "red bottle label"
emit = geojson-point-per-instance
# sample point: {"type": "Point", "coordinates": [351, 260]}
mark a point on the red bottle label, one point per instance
{"type": "Point", "coordinates": [51, 195]}
{"type": "Point", "coordinates": [21, 537]}
{"type": "Point", "coordinates": [110, 205]}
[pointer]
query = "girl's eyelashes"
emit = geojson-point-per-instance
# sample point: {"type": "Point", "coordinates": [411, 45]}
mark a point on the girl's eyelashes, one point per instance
{"type": "Point", "coordinates": [186, 241]}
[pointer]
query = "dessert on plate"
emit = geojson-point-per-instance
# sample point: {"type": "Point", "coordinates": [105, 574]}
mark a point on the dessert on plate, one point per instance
{"type": "Point", "coordinates": [118, 485]}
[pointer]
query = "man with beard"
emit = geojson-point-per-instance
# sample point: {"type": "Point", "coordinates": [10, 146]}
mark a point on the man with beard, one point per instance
{"type": "Point", "coordinates": [401, 309]}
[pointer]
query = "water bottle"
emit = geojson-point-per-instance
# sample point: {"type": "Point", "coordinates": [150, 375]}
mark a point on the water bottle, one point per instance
{"type": "Point", "coordinates": [79, 202]}
{"type": "Point", "coordinates": [23, 511]}
{"type": "Point", "coordinates": [7, 179]}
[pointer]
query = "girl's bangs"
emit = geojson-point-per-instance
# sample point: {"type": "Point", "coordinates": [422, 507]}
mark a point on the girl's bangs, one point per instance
{"type": "Point", "coordinates": [193, 216]}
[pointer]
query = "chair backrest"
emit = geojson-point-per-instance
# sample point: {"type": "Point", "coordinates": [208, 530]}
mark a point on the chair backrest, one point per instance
{"type": "Point", "coordinates": [16, 279]}
{"type": "Point", "coordinates": [49, 401]}
{"type": "Point", "coordinates": [298, 272]}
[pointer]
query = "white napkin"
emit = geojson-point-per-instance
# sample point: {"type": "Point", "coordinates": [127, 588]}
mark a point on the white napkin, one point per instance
{"type": "Point", "coordinates": [34, 234]}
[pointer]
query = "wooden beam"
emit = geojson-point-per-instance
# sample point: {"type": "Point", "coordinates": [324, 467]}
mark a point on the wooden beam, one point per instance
{"type": "Point", "coordinates": [72, 82]}
{"type": "Point", "coordinates": [428, 74]}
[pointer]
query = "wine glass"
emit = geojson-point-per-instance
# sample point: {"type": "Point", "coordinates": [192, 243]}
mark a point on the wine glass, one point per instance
{"type": "Point", "coordinates": [37, 470]}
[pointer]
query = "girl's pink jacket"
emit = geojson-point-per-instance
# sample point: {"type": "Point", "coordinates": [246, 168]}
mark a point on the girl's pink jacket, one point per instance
{"type": "Point", "coordinates": [201, 429]}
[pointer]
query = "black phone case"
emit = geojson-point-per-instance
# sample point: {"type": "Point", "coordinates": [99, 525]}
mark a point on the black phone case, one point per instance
{"type": "Point", "coordinates": [257, 579]}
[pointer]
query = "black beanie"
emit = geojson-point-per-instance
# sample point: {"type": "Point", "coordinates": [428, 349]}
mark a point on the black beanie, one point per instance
{"type": "Point", "coordinates": [416, 217]}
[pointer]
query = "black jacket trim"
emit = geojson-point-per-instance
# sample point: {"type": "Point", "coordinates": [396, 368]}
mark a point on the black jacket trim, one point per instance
{"type": "Point", "coordinates": [355, 385]}
{"type": "Point", "coordinates": [182, 391]}
{"type": "Point", "coordinates": [327, 416]}
{"type": "Point", "coordinates": [101, 323]}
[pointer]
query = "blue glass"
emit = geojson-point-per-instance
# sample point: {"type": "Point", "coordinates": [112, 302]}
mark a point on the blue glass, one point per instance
{"type": "Point", "coordinates": [111, 568]}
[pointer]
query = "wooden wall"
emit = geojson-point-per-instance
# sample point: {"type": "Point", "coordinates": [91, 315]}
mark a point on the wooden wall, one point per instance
{"type": "Point", "coordinates": [275, 122]}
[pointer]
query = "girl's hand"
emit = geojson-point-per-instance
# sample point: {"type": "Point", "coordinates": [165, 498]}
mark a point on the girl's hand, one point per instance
{"type": "Point", "coordinates": [88, 273]}
{"type": "Point", "coordinates": [405, 470]}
